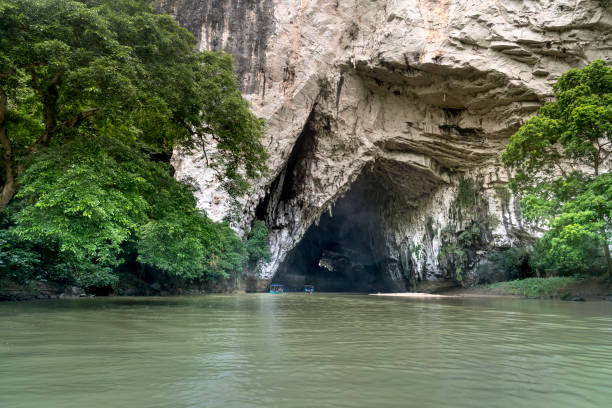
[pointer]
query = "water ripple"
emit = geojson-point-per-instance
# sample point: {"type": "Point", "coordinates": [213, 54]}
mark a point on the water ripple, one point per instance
{"type": "Point", "coordinates": [299, 350]}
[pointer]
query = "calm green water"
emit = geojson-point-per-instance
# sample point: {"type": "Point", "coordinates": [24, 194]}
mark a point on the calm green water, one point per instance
{"type": "Point", "coordinates": [298, 350]}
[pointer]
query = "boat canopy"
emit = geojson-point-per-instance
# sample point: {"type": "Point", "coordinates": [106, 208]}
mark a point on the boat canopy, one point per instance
{"type": "Point", "coordinates": [277, 288]}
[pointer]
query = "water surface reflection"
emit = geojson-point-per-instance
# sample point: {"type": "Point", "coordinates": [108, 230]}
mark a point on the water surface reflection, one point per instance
{"type": "Point", "coordinates": [298, 350]}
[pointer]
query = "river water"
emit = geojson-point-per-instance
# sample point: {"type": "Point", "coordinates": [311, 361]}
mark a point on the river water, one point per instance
{"type": "Point", "coordinates": [299, 350]}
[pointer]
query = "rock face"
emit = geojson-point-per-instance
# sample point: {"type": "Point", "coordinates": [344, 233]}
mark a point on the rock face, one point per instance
{"type": "Point", "coordinates": [407, 104]}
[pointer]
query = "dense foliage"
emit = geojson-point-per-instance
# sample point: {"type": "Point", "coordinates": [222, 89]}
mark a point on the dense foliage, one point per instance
{"type": "Point", "coordinates": [96, 200]}
{"type": "Point", "coordinates": [94, 95]}
{"type": "Point", "coordinates": [115, 68]}
{"type": "Point", "coordinates": [557, 287]}
{"type": "Point", "coordinates": [507, 264]}
{"type": "Point", "coordinates": [561, 158]}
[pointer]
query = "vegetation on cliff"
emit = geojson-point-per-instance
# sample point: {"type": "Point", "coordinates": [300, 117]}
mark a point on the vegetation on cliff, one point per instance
{"type": "Point", "coordinates": [561, 159]}
{"type": "Point", "coordinates": [94, 96]}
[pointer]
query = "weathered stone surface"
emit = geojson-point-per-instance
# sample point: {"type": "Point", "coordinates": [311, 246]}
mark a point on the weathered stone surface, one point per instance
{"type": "Point", "coordinates": [239, 27]}
{"type": "Point", "coordinates": [418, 93]}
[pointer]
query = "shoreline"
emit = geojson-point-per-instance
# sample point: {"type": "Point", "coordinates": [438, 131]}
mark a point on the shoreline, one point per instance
{"type": "Point", "coordinates": [566, 288]}
{"type": "Point", "coordinates": [452, 295]}
{"type": "Point", "coordinates": [418, 295]}
{"type": "Point", "coordinates": [577, 289]}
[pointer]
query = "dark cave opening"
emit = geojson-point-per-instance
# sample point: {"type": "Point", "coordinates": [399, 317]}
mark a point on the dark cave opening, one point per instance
{"type": "Point", "coordinates": [285, 186]}
{"type": "Point", "coordinates": [344, 251]}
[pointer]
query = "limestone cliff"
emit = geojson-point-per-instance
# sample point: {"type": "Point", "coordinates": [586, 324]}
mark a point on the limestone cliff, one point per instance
{"type": "Point", "coordinates": [406, 103]}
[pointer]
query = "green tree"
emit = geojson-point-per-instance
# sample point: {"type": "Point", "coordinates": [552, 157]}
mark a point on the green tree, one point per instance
{"type": "Point", "coordinates": [92, 94]}
{"type": "Point", "coordinates": [257, 247]}
{"type": "Point", "coordinates": [115, 68]}
{"type": "Point", "coordinates": [97, 202]}
{"type": "Point", "coordinates": [560, 158]}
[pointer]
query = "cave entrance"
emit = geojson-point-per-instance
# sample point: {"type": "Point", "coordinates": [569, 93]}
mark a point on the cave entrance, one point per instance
{"type": "Point", "coordinates": [345, 250]}
{"type": "Point", "coordinates": [353, 247]}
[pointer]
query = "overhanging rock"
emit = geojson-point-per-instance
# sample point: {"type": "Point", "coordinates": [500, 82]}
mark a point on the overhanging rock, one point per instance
{"type": "Point", "coordinates": [421, 95]}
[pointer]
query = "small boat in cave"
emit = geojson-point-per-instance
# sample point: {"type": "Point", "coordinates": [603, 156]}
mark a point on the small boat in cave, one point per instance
{"type": "Point", "coordinates": [277, 288]}
{"type": "Point", "coordinates": [309, 288]}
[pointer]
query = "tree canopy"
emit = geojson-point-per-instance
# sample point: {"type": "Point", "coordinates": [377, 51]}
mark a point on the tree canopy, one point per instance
{"type": "Point", "coordinates": [561, 159]}
{"type": "Point", "coordinates": [89, 205]}
{"type": "Point", "coordinates": [115, 68]}
{"type": "Point", "coordinates": [94, 96]}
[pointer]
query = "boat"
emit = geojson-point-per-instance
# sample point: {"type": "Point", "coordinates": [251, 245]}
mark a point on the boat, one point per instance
{"type": "Point", "coordinates": [277, 288]}
{"type": "Point", "coordinates": [309, 288]}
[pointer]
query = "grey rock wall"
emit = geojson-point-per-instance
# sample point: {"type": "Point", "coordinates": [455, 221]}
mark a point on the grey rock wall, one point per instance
{"type": "Point", "coordinates": [421, 93]}
{"type": "Point", "coordinates": [240, 27]}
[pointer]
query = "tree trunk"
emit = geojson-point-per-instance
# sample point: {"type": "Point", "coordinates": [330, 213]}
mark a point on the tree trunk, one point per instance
{"type": "Point", "coordinates": [8, 190]}
{"type": "Point", "coordinates": [49, 95]}
{"type": "Point", "coordinates": [608, 260]}
{"type": "Point", "coordinates": [50, 107]}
